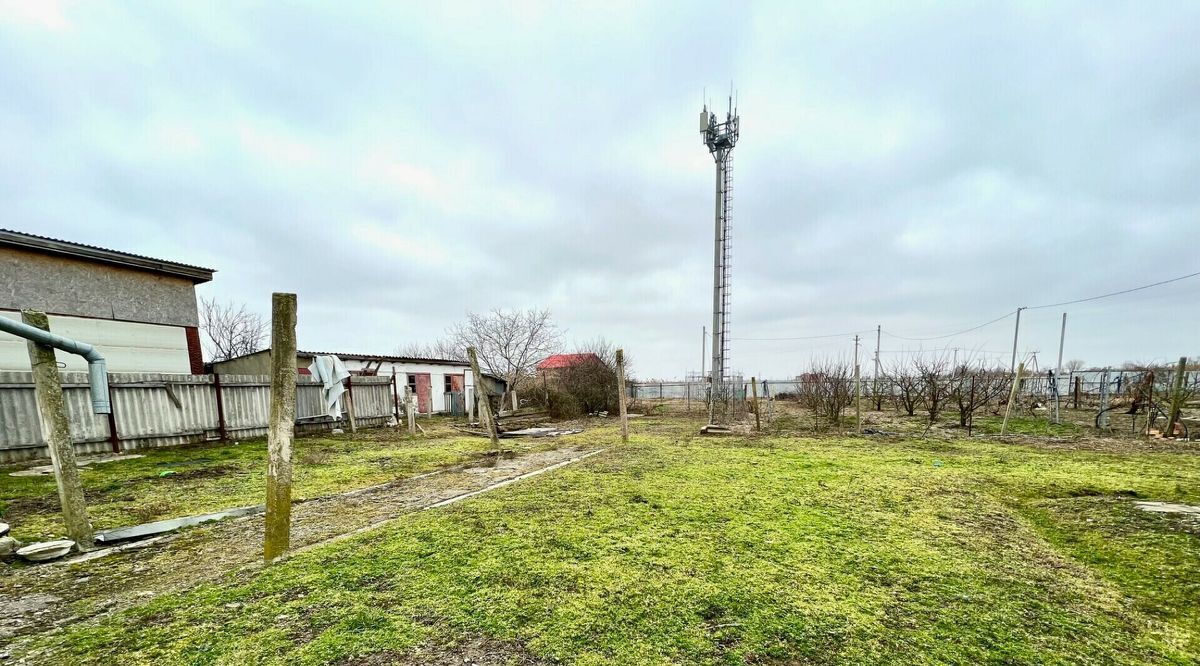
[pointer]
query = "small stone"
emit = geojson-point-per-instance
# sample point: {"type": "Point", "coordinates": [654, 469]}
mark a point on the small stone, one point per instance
{"type": "Point", "coordinates": [46, 550]}
{"type": "Point", "coordinates": [8, 546]}
{"type": "Point", "coordinates": [337, 431]}
{"type": "Point", "coordinates": [145, 593]}
{"type": "Point", "coordinates": [233, 605]}
{"type": "Point", "coordinates": [3, 529]}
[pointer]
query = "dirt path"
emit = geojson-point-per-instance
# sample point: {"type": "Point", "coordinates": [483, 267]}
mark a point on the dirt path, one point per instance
{"type": "Point", "coordinates": [37, 599]}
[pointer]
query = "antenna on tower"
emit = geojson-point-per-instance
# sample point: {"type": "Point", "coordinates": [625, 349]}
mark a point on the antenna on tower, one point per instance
{"type": "Point", "coordinates": [720, 138]}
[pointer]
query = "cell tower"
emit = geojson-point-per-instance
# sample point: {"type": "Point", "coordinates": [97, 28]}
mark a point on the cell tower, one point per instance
{"type": "Point", "coordinates": [721, 137]}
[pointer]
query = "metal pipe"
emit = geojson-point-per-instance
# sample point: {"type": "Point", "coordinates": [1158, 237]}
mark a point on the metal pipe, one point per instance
{"type": "Point", "coordinates": [97, 368]}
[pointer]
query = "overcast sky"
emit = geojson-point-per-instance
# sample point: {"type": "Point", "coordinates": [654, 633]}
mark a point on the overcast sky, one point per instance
{"type": "Point", "coordinates": [925, 167]}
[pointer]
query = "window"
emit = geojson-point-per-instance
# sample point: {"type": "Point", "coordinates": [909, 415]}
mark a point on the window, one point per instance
{"type": "Point", "coordinates": [412, 384]}
{"type": "Point", "coordinates": [449, 385]}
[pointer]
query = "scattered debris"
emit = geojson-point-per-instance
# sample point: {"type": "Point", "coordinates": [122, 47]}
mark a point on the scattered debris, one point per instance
{"type": "Point", "coordinates": [542, 432]}
{"type": "Point", "coordinates": [46, 550]}
{"type": "Point", "coordinates": [81, 463]}
{"type": "Point", "coordinates": [167, 472]}
{"type": "Point", "coordinates": [337, 431]}
{"type": "Point", "coordinates": [161, 526]}
{"type": "Point", "coordinates": [714, 429]}
{"type": "Point", "coordinates": [1168, 507]}
{"type": "Point", "coordinates": [877, 431]}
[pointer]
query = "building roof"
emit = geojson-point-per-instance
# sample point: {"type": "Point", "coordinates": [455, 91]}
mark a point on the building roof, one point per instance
{"type": "Point", "coordinates": [346, 356]}
{"type": "Point", "coordinates": [558, 361]}
{"type": "Point", "coordinates": [24, 241]}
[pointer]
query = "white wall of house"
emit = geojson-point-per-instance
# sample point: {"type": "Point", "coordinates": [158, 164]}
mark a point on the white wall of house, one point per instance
{"type": "Point", "coordinates": [126, 346]}
{"type": "Point", "coordinates": [437, 377]}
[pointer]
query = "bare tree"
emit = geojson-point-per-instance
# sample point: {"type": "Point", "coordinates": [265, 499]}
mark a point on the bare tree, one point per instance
{"type": "Point", "coordinates": [1074, 365]}
{"type": "Point", "coordinates": [933, 382]}
{"type": "Point", "coordinates": [509, 343]}
{"type": "Point", "coordinates": [443, 349]}
{"type": "Point", "coordinates": [906, 387]}
{"type": "Point", "coordinates": [231, 329]}
{"type": "Point", "coordinates": [827, 390]}
{"type": "Point", "coordinates": [973, 386]}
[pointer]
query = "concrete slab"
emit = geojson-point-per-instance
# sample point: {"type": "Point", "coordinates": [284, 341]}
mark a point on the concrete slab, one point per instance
{"type": "Point", "coordinates": [1168, 507]}
{"type": "Point", "coordinates": [162, 526]}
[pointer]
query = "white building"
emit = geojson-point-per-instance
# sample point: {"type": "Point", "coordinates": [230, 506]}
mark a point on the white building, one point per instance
{"type": "Point", "coordinates": [139, 312]}
{"type": "Point", "coordinates": [441, 385]}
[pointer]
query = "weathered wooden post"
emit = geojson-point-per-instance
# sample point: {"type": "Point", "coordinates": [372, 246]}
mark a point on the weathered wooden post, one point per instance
{"type": "Point", "coordinates": [485, 407]}
{"type": "Point", "coordinates": [1078, 390]}
{"type": "Point", "coordinates": [282, 425]}
{"type": "Point", "coordinates": [754, 393]}
{"type": "Point", "coordinates": [1012, 397]}
{"type": "Point", "coordinates": [395, 396]}
{"type": "Point", "coordinates": [56, 429]}
{"type": "Point", "coordinates": [621, 395]}
{"type": "Point", "coordinates": [408, 412]}
{"type": "Point", "coordinates": [350, 403]}
{"type": "Point", "coordinates": [1176, 397]}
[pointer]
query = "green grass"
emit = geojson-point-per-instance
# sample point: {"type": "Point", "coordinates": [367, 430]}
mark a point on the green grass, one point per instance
{"type": "Point", "coordinates": [1027, 425]}
{"type": "Point", "coordinates": [213, 477]}
{"type": "Point", "coordinates": [676, 549]}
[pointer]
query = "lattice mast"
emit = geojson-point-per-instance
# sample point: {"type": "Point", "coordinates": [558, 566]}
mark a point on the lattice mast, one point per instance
{"type": "Point", "coordinates": [721, 137]}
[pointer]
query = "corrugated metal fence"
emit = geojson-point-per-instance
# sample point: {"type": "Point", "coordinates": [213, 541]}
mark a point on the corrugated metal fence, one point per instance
{"type": "Point", "coordinates": [163, 410]}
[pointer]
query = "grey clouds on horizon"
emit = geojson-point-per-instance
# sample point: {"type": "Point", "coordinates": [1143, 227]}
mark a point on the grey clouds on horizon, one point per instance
{"type": "Point", "coordinates": [927, 167]}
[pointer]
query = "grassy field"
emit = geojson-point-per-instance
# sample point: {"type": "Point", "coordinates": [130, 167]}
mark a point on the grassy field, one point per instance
{"type": "Point", "coordinates": [680, 549]}
{"type": "Point", "coordinates": [169, 483]}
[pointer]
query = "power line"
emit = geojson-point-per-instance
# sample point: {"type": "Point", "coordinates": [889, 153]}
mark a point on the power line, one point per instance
{"type": "Point", "coordinates": [1114, 293]}
{"type": "Point", "coordinates": [986, 323]}
{"type": "Point", "coordinates": [808, 337]}
{"type": "Point", "coordinates": [951, 335]}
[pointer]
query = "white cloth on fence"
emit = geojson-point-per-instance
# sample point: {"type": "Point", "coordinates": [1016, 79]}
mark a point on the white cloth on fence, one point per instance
{"type": "Point", "coordinates": [330, 371]}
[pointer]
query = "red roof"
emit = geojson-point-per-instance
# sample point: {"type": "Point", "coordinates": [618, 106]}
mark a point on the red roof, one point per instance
{"type": "Point", "coordinates": [566, 360]}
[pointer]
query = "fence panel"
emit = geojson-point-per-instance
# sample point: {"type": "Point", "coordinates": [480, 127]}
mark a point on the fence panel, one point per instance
{"type": "Point", "coordinates": [153, 410]}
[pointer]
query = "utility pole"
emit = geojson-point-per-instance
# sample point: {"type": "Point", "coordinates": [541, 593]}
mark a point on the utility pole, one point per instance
{"type": "Point", "coordinates": [1012, 398]}
{"type": "Point", "coordinates": [56, 429]}
{"type": "Point", "coordinates": [875, 378]}
{"type": "Point", "coordinates": [1062, 337]}
{"type": "Point", "coordinates": [857, 390]}
{"type": "Point", "coordinates": [703, 349]}
{"type": "Point", "coordinates": [621, 395]}
{"type": "Point", "coordinates": [281, 427]}
{"type": "Point", "coordinates": [1016, 332]}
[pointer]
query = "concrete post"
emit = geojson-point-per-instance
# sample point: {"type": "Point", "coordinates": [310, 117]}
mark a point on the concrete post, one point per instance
{"type": "Point", "coordinates": [56, 429]}
{"type": "Point", "coordinates": [516, 404]}
{"type": "Point", "coordinates": [470, 400]}
{"type": "Point", "coordinates": [1012, 397]}
{"type": "Point", "coordinates": [621, 389]}
{"type": "Point", "coordinates": [281, 427]}
{"type": "Point", "coordinates": [857, 390]}
{"type": "Point", "coordinates": [754, 394]}
{"type": "Point", "coordinates": [1176, 397]}
{"type": "Point", "coordinates": [485, 408]}
{"type": "Point", "coordinates": [409, 417]}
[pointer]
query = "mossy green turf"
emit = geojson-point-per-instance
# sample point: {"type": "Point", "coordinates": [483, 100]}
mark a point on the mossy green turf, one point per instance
{"type": "Point", "coordinates": [206, 478]}
{"type": "Point", "coordinates": [680, 549]}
